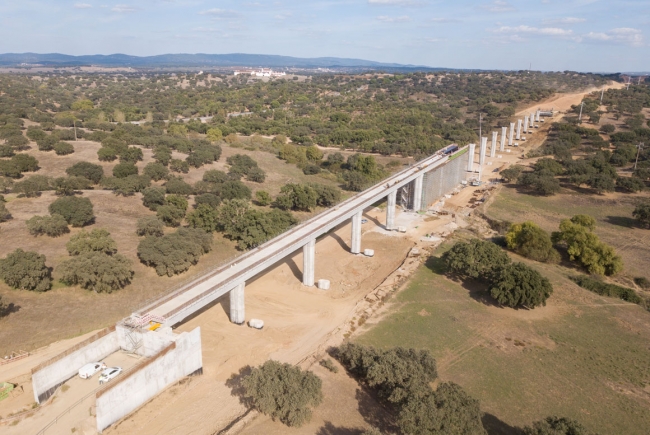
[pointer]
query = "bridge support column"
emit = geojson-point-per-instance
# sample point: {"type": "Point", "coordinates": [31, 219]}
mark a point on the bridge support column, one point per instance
{"type": "Point", "coordinates": [512, 134]}
{"type": "Point", "coordinates": [355, 247]}
{"type": "Point", "coordinates": [518, 129]}
{"type": "Point", "coordinates": [526, 124]}
{"type": "Point", "coordinates": [417, 193]}
{"type": "Point", "coordinates": [308, 263]}
{"type": "Point", "coordinates": [237, 313]}
{"type": "Point", "coordinates": [502, 144]}
{"type": "Point", "coordinates": [481, 154]}
{"type": "Point", "coordinates": [470, 161]}
{"type": "Point", "coordinates": [390, 210]}
{"type": "Point", "coordinates": [493, 148]}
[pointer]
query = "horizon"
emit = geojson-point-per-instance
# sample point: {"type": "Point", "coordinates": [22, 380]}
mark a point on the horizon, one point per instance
{"type": "Point", "coordinates": [576, 35]}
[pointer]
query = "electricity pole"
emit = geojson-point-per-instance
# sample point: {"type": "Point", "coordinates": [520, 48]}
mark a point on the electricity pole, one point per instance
{"type": "Point", "coordinates": [601, 95]}
{"type": "Point", "coordinates": [580, 116]}
{"type": "Point", "coordinates": [638, 150]}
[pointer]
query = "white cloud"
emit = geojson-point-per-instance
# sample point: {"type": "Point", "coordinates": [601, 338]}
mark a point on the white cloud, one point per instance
{"type": "Point", "coordinates": [396, 2]}
{"type": "Point", "coordinates": [386, 19]}
{"type": "Point", "coordinates": [445, 20]}
{"type": "Point", "coordinates": [546, 31]}
{"type": "Point", "coordinates": [565, 20]}
{"type": "Point", "coordinates": [82, 6]}
{"type": "Point", "coordinates": [220, 13]}
{"type": "Point", "coordinates": [499, 6]}
{"type": "Point", "coordinates": [622, 35]}
{"type": "Point", "coordinates": [122, 9]}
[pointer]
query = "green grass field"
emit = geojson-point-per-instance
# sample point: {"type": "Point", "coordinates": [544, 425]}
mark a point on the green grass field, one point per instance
{"type": "Point", "coordinates": [582, 356]}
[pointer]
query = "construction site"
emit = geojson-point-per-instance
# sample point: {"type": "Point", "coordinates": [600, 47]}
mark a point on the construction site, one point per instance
{"type": "Point", "coordinates": [304, 286]}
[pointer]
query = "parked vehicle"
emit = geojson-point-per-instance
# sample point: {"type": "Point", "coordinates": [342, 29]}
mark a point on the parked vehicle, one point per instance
{"type": "Point", "coordinates": [87, 371]}
{"type": "Point", "coordinates": [109, 374]}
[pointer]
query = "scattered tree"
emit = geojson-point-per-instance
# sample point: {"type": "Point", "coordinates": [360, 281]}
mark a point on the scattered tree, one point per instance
{"type": "Point", "coordinates": [153, 197]}
{"type": "Point", "coordinates": [26, 271]}
{"type": "Point", "coordinates": [156, 171]}
{"type": "Point", "coordinates": [557, 426]}
{"type": "Point", "coordinates": [87, 170]}
{"type": "Point", "coordinates": [76, 211]}
{"type": "Point", "coordinates": [98, 240]}
{"type": "Point", "coordinates": [63, 148]}
{"type": "Point", "coordinates": [518, 285]}
{"type": "Point", "coordinates": [124, 169]}
{"type": "Point", "coordinates": [174, 253]}
{"type": "Point", "coordinates": [53, 226]}
{"type": "Point", "coordinates": [97, 271]}
{"type": "Point", "coordinates": [475, 259]}
{"type": "Point", "coordinates": [529, 240]}
{"type": "Point", "coordinates": [150, 226]}
{"type": "Point", "coordinates": [642, 214]}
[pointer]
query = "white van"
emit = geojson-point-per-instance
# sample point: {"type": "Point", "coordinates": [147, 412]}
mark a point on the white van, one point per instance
{"type": "Point", "coordinates": [90, 369]}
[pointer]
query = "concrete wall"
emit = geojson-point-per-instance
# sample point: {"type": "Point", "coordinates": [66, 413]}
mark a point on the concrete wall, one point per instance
{"type": "Point", "coordinates": [128, 392]}
{"type": "Point", "coordinates": [443, 180]}
{"type": "Point", "coordinates": [47, 376]}
{"type": "Point", "coordinates": [144, 342]}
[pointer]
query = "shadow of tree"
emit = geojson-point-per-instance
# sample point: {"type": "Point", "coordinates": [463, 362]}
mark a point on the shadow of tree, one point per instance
{"type": "Point", "coordinates": [436, 265]}
{"type": "Point", "coordinates": [373, 412]}
{"type": "Point", "coordinates": [234, 382]}
{"type": "Point", "coordinates": [494, 426]}
{"type": "Point", "coordinates": [329, 429]}
{"type": "Point", "coordinates": [8, 309]}
{"type": "Point", "coordinates": [621, 221]}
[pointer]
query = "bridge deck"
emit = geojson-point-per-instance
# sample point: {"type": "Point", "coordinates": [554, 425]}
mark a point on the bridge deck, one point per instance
{"type": "Point", "coordinates": [193, 296]}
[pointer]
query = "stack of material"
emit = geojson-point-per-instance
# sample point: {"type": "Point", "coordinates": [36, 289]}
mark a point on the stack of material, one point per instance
{"type": "Point", "coordinates": [369, 252]}
{"type": "Point", "coordinates": [323, 284]}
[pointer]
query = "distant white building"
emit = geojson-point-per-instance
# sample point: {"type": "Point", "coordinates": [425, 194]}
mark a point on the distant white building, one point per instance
{"type": "Point", "coordinates": [262, 72]}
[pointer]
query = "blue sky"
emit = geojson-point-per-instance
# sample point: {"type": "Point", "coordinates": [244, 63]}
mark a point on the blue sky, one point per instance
{"type": "Point", "coordinates": [583, 35]}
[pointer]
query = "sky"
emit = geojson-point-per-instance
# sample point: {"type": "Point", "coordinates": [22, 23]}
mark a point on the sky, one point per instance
{"type": "Point", "coordinates": [550, 35]}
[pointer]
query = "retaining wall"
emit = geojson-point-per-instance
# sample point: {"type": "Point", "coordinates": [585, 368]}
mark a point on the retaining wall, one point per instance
{"type": "Point", "coordinates": [444, 179]}
{"type": "Point", "coordinates": [144, 342]}
{"type": "Point", "coordinates": [48, 375]}
{"type": "Point", "coordinates": [126, 393]}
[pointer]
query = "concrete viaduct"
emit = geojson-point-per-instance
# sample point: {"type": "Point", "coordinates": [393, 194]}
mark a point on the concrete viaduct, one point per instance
{"type": "Point", "coordinates": [231, 277]}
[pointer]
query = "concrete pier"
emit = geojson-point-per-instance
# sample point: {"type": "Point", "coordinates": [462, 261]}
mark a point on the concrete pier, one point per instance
{"type": "Point", "coordinates": [518, 129]}
{"type": "Point", "coordinates": [390, 210]}
{"type": "Point", "coordinates": [470, 161]}
{"type": "Point", "coordinates": [512, 133]}
{"type": "Point", "coordinates": [308, 263]}
{"type": "Point", "coordinates": [526, 124]}
{"type": "Point", "coordinates": [481, 156]}
{"type": "Point", "coordinates": [537, 115]}
{"type": "Point", "coordinates": [493, 147]}
{"type": "Point", "coordinates": [355, 247]}
{"type": "Point", "coordinates": [237, 309]}
{"type": "Point", "coordinates": [417, 193]}
{"type": "Point", "coordinates": [502, 144]}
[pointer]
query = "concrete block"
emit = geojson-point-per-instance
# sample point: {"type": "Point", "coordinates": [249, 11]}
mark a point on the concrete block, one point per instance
{"type": "Point", "coordinates": [256, 323]}
{"type": "Point", "coordinates": [369, 252]}
{"type": "Point", "coordinates": [323, 284]}
{"type": "Point", "coordinates": [401, 229]}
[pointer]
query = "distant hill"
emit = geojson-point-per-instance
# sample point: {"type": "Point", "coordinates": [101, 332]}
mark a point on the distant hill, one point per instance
{"type": "Point", "coordinates": [194, 60]}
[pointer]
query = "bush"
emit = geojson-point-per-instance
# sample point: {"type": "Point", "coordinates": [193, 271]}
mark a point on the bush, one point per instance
{"type": "Point", "coordinates": [284, 392]}
{"type": "Point", "coordinates": [87, 170]}
{"type": "Point", "coordinates": [6, 151]}
{"type": "Point", "coordinates": [25, 162]}
{"type": "Point", "coordinates": [153, 197]}
{"type": "Point", "coordinates": [97, 271]}
{"type": "Point", "coordinates": [76, 211]}
{"type": "Point", "coordinates": [585, 247]}
{"type": "Point", "coordinates": [156, 171]}
{"type": "Point", "coordinates": [605, 289]}
{"type": "Point", "coordinates": [329, 365]}
{"type": "Point", "coordinates": [642, 282]}
{"type": "Point", "coordinates": [518, 285]}
{"type": "Point", "coordinates": [256, 175]}
{"type": "Point", "coordinates": [177, 185]}
{"type": "Point", "coordinates": [543, 183]}
{"type": "Point", "coordinates": [176, 165]}
{"type": "Point", "coordinates": [131, 155]}
{"type": "Point", "coordinates": [311, 170]}
{"type": "Point", "coordinates": [263, 198]}
{"type": "Point", "coordinates": [475, 259]}
{"type": "Point", "coordinates": [557, 426]}
{"type": "Point", "coordinates": [532, 242]}
{"type": "Point", "coordinates": [123, 170]}
{"type": "Point", "coordinates": [126, 186]}
{"type": "Point", "coordinates": [105, 154]}
{"type": "Point", "coordinates": [215, 176]}
{"type": "Point", "coordinates": [631, 184]}
{"type": "Point", "coordinates": [608, 128]}
{"type": "Point", "coordinates": [4, 213]}
{"type": "Point", "coordinates": [25, 270]}
{"type": "Point", "coordinates": [150, 226]}
{"type": "Point", "coordinates": [9, 168]}
{"type": "Point", "coordinates": [174, 253]}
{"type": "Point", "coordinates": [63, 149]}
{"type": "Point", "coordinates": [71, 185]}
{"type": "Point", "coordinates": [98, 240]}
{"type": "Point", "coordinates": [642, 214]}
{"type": "Point", "coordinates": [52, 226]}
{"type": "Point", "coordinates": [447, 410]}
{"type": "Point", "coordinates": [33, 186]}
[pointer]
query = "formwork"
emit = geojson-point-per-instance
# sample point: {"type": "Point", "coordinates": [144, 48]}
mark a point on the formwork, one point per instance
{"type": "Point", "coordinates": [444, 179]}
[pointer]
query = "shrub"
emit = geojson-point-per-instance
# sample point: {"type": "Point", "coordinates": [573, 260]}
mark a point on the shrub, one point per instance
{"type": "Point", "coordinates": [18, 142]}
{"type": "Point", "coordinates": [642, 214]}
{"type": "Point", "coordinates": [150, 226]}
{"type": "Point", "coordinates": [215, 176]}
{"type": "Point", "coordinates": [87, 170]}
{"type": "Point", "coordinates": [176, 165]}
{"type": "Point", "coordinates": [131, 155]}
{"type": "Point", "coordinates": [126, 186]}
{"type": "Point", "coordinates": [25, 270]}
{"type": "Point", "coordinates": [76, 211]}
{"type": "Point", "coordinates": [235, 190]}
{"type": "Point", "coordinates": [71, 185]}
{"type": "Point", "coordinates": [153, 197]}
{"type": "Point", "coordinates": [97, 271]}
{"type": "Point", "coordinates": [6, 151]}
{"type": "Point", "coordinates": [256, 175]}
{"type": "Point", "coordinates": [33, 186]}
{"type": "Point", "coordinates": [156, 171]}
{"type": "Point", "coordinates": [311, 170]}
{"type": "Point", "coordinates": [608, 128]}
{"type": "Point", "coordinates": [123, 170]}
{"type": "Point", "coordinates": [529, 240]}
{"type": "Point", "coordinates": [241, 164]}
{"type": "Point", "coordinates": [63, 149]}
{"type": "Point", "coordinates": [329, 365]}
{"type": "Point", "coordinates": [35, 134]}
{"type": "Point", "coordinates": [518, 285]}
{"type": "Point", "coordinates": [543, 182]}
{"type": "Point", "coordinates": [642, 282]}
{"type": "Point", "coordinates": [556, 426]}
{"type": "Point", "coordinates": [263, 198]}
{"type": "Point", "coordinates": [605, 289]}
{"type": "Point", "coordinates": [163, 155]}
{"type": "Point", "coordinates": [4, 213]}
{"type": "Point", "coordinates": [284, 392]}
{"type": "Point", "coordinates": [25, 162]}
{"type": "Point", "coordinates": [631, 184]}
{"type": "Point", "coordinates": [171, 215]}
{"type": "Point", "coordinates": [9, 168]}
{"type": "Point", "coordinates": [52, 226]}
{"type": "Point", "coordinates": [174, 253]}
{"type": "Point", "coordinates": [475, 259]}
{"type": "Point", "coordinates": [98, 240]}
{"type": "Point", "coordinates": [177, 185]}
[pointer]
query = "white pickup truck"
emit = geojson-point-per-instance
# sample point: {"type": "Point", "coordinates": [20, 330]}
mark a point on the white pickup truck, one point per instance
{"type": "Point", "coordinates": [87, 371]}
